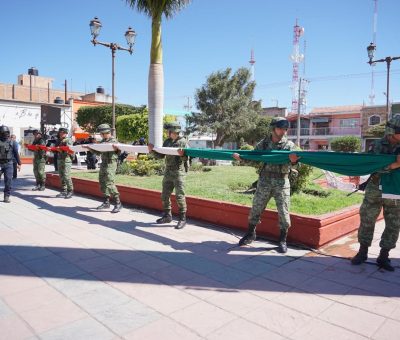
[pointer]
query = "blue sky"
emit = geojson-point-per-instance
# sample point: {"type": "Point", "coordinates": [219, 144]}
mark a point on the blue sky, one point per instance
{"type": "Point", "coordinates": [209, 35]}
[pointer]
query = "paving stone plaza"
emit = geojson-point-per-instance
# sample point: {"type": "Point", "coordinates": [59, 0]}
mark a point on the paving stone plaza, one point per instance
{"type": "Point", "coordinates": [70, 272]}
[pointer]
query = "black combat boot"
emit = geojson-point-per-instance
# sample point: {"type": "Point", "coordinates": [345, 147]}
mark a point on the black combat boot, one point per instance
{"type": "Point", "coordinates": [282, 247]}
{"type": "Point", "coordinates": [105, 204]}
{"type": "Point", "coordinates": [117, 206]}
{"type": "Point", "coordinates": [383, 260]}
{"type": "Point", "coordinates": [361, 256]}
{"type": "Point", "coordinates": [165, 218]}
{"type": "Point", "coordinates": [182, 221]}
{"type": "Point", "coordinates": [249, 237]}
{"type": "Point", "coordinates": [62, 194]}
{"type": "Point", "coordinates": [42, 187]}
{"type": "Point", "coordinates": [7, 199]}
{"type": "Point", "coordinates": [68, 195]}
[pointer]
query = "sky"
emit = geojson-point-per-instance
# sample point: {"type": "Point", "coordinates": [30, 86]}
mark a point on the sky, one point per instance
{"type": "Point", "coordinates": [205, 37]}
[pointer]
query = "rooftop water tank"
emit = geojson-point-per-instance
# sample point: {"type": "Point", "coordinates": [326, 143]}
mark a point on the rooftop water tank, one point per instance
{"type": "Point", "coordinates": [58, 100]}
{"type": "Point", "coordinates": [33, 71]}
{"type": "Point", "coordinates": [100, 89]}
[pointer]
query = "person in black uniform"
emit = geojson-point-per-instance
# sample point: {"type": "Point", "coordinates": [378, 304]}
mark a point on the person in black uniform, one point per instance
{"type": "Point", "coordinates": [91, 158]}
{"type": "Point", "coordinates": [8, 151]}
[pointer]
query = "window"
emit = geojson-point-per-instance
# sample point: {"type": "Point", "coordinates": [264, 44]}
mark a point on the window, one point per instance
{"type": "Point", "coordinates": [374, 120]}
{"type": "Point", "coordinates": [348, 123]}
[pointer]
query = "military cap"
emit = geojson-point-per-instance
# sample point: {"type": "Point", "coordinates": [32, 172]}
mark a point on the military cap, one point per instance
{"type": "Point", "coordinates": [4, 130]}
{"type": "Point", "coordinates": [280, 122]}
{"type": "Point", "coordinates": [393, 126]}
{"type": "Point", "coordinates": [173, 126]}
{"type": "Point", "coordinates": [62, 129]}
{"type": "Point", "coordinates": [104, 128]}
{"type": "Point", "coordinates": [35, 131]}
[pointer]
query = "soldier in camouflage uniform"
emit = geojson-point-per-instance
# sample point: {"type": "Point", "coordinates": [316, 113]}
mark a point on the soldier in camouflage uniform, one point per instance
{"type": "Point", "coordinates": [373, 203]}
{"type": "Point", "coordinates": [108, 168]}
{"type": "Point", "coordinates": [39, 161]}
{"type": "Point", "coordinates": [64, 163]}
{"type": "Point", "coordinates": [273, 182]}
{"type": "Point", "coordinates": [174, 176]}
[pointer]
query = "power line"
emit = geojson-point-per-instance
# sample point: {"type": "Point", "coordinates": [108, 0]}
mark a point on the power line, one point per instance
{"type": "Point", "coordinates": [328, 78]}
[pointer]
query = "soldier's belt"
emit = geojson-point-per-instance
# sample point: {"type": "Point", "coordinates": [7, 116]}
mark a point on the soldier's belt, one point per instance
{"type": "Point", "coordinates": [276, 175]}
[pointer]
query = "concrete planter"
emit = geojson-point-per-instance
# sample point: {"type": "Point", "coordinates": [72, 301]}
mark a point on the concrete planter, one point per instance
{"type": "Point", "coordinates": [313, 231]}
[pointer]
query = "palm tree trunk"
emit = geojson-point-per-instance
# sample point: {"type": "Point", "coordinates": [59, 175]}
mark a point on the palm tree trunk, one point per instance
{"type": "Point", "coordinates": [156, 85]}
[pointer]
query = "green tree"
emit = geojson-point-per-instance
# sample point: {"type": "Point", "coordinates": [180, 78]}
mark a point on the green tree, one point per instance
{"type": "Point", "coordinates": [155, 9]}
{"type": "Point", "coordinates": [259, 131]}
{"type": "Point", "coordinates": [226, 105]}
{"type": "Point", "coordinates": [346, 144]}
{"type": "Point", "coordinates": [132, 127]}
{"type": "Point", "coordinates": [90, 117]}
{"type": "Point", "coordinates": [377, 130]}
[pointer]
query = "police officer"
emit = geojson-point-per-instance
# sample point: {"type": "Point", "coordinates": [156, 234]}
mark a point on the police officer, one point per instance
{"type": "Point", "coordinates": [8, 151]}
{"type": "Point", "coordinates": [373, 203]}
{"type": "Point", "coordinates": [174, 176]}
{"type": "Point", "coordinates": [108, 168]}
{"type": "Point", "coordinates": [39, 161]}
{"type": "Point", "coordinates": [64, 163]}
{"type": "Point", "coordinates": [273, 182]}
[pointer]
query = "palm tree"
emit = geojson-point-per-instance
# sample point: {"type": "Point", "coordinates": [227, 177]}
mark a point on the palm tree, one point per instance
{"type": "Point", "coordinates": [155, 9]}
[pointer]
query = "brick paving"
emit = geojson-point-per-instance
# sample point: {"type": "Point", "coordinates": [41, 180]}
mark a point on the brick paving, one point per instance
{"type": "Point", "coordinates": [70, 272]}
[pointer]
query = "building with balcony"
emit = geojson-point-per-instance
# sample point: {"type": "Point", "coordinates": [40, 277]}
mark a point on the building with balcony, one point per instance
{"type": "Point", "coordinates": [323, 124]}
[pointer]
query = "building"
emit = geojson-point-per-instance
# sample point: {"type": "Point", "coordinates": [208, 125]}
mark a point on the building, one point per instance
{"type": "Point", "coordinates": [323, 124]}
{"type": "Point", "coordinates": [274, 111]}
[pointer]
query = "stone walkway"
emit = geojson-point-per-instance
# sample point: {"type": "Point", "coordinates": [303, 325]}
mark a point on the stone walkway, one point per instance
{"type": "Point", "coordinates": [70, 272]}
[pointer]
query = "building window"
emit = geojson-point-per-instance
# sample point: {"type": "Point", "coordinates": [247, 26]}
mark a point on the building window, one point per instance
{"type": "Point", "coordinates": [374, 120]}
{"type": "Point", "coordinates": [349, 123]}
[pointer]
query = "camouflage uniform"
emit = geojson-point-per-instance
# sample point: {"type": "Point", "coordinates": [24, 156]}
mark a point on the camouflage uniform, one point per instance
{"type": "Point", "coordinates": [174, 178]}
{"type": "Point", "coordinates": [64, 163]}
{"type": "Point", "coordinates": [39, 163]}
{"type": "Point", "coordinates": [273, 182]}
{"type": "Point", "coordinates": [373, 204]}
{"type": "Point", "coordinates": [108, 169]}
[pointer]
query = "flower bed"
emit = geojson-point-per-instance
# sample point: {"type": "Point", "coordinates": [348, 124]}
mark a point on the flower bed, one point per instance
{"type": "Point", "coordinates": [313, 231]}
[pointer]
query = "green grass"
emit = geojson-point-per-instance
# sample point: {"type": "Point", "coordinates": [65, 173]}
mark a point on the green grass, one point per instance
{"type": "Point", "coordinates": [227, 183]}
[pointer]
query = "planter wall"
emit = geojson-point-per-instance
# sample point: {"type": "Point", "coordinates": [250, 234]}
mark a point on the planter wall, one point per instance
{"type": "Point", "coordinates": [313, 231]}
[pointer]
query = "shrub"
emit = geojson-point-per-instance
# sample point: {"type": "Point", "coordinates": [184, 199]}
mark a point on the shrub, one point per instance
{"type": "Point", "coordinates": [197, 166]}
{"type": "Point", "coordinates": [147, 166]}
{"type": "Point", "coordinates": [346, 144]}
{"type": "Point", "coordinates": [299, 177]}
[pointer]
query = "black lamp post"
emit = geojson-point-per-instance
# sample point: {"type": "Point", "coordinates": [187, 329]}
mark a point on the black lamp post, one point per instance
{"type": "Point", "coordinates": [371, 50]}
{"type": "Point", "coordinates": [130, 34]}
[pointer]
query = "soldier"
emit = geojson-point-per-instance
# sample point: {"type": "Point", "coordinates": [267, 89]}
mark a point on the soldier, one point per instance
{"type": "Point", "coordinates": [273, 182]}
{"type": "Point", "coordinates": [8, 151]}
{"type": "Point", "coordinates": [39, 161]}
{"type": "Point", "coordinates": [64, 163]}
{"type": "Point", "coordinates": [373, 203]}
{"type": "Point", "coordinates": [108, 168]}
{"type": "Point", "coordinates": [91, 158]}
{"type": "Point", "coordinates": [174, 176]}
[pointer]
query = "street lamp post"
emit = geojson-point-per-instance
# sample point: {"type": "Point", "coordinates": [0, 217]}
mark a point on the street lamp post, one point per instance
{"type": "Point", "coordinates": [371, 50]}
{"type": "Point", "coordinates": [130, 34]}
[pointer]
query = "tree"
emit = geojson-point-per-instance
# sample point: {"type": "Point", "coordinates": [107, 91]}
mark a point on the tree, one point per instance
{"type": "Point", "coordinates": [259, 131]}
{"type": "Point", "coordinates": [134, 126]}
{"type": "Point", "coordinates": [377, 130]}
{"type": "Point", "coordinates": [155, 9]}
{"type": "Point", "coordinates": [346, 144]}
{"type": "Point", "coordinates": [226, 105]}
{"type": "Point", "coordinates": [90, 117]}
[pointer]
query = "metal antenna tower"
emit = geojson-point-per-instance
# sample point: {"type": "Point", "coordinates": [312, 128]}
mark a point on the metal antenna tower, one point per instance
{"type": "Point", "coordinates": [296, 58]}
{"type": "Point", "coordinates": [252, 62]}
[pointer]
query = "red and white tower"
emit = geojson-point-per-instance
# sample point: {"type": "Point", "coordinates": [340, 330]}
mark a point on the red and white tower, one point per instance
{"type": "Point", "coordinates": [296, 58]}
{"type": "Point", "coordinates": [372, 93]}
{"type": "Point", "coordinates": [252, 62]}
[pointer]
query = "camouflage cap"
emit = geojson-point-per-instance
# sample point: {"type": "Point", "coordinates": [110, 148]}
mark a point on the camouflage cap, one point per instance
{"type": "Point", "coordinates": [173, 126]}
{"type": "Point", "coordinates": [280, 122]}
{"type": "Point", "coordinates": [393, 126]}
{"type": "Point", "coordinates": [62, 129]}
{"type": "Point", "coordinates": [104, 128]}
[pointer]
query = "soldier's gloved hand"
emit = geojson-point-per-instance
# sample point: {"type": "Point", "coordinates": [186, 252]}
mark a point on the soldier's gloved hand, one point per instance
{"type": "Point", "coordinates": [115, 148]}
{"type": "Point", "coordinates": [181, 152]}
{"type": "Point", "coordinates": [294, 158]}
{"type": "Point", "coordinates": [19, 167]}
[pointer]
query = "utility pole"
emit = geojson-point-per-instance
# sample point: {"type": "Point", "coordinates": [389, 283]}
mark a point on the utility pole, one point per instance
{"type": "Point", "coordinates": [298, 112]}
